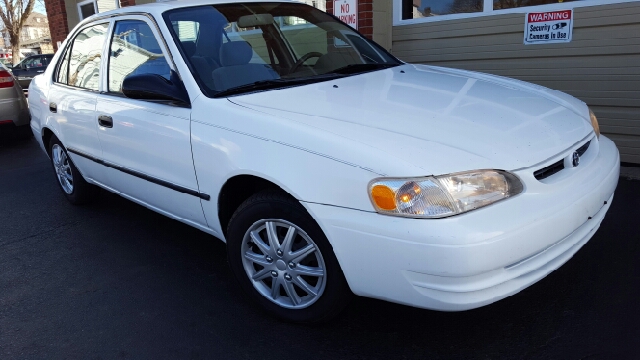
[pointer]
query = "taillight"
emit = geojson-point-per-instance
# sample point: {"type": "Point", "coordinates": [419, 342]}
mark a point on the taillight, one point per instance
{"type": "Point", "coordinates": [6, 80]}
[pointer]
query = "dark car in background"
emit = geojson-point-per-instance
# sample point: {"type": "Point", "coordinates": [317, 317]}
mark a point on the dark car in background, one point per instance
{"type": "Point", "coordinates": [31, 66]}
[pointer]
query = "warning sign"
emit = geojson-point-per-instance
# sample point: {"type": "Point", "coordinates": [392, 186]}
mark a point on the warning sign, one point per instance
{"type": "Point", "coordinates": [346, 11]}
{"type": "Point", "coordinates": [548, 27]}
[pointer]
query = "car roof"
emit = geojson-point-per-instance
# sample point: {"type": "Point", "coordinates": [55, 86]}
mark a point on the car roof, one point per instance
{"type": "Point", "coordinates": [160, 7]}
{"type": "Point", "coordinates": [39, 55]}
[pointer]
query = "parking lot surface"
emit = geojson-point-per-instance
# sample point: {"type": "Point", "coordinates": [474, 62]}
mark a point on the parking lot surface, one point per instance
{"type": "Point", "coordinates": [114, 280]}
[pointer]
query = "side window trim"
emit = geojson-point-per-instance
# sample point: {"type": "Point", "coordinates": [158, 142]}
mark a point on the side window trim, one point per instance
{"type": "Point", "coordinates": [106, 53]}
{"type": "Point", "coordinates": [56, 73]}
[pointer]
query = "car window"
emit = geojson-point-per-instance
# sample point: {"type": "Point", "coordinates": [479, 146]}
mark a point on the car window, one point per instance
{"type": "Point", "coordinates": [86, 55]}
{"type": "Point", "coordinates": [34, 62]}
{"type": "Point", "coordinates": [134, 51]}
{"type": "Point", "coordinates": [230, 46]}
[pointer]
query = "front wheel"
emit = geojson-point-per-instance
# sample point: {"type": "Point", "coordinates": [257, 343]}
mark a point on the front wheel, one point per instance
{"type": "Point", "coordinates": [283, 260]}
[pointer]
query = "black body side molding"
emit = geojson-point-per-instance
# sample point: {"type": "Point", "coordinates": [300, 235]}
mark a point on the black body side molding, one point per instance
{"type": "Point", "coordinates": [140, 175]}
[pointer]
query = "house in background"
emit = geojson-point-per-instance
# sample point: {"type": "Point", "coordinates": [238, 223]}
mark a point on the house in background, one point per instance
{"type": "Point", "coordinates": [34, 38]}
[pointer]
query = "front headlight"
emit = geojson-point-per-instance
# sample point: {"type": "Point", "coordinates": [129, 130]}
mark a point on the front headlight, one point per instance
{"type": "Point", "coordinates": [441, 196]}
{"type": "Point", "coordinates": [594, 123]}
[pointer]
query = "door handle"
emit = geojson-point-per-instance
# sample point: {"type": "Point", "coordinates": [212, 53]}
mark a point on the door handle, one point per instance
{"type": "Point", "coordinates": [105, 121]}
{"type": "Point", "coordinates": [40, 71]}
{"type": "Point", "coordinates": [53, 107]}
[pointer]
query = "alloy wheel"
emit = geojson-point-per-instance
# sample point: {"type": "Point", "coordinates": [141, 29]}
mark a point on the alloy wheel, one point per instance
{"type": "Point", "coordinates": [283, 263]}
{"type": "Point", "coordinates": [62, 168]}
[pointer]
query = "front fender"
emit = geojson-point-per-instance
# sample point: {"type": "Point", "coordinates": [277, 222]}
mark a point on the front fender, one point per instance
{"type": "Point", "coordinates": [222, 151]}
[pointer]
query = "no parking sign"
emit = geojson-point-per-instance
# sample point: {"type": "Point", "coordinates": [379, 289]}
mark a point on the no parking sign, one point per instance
{"type": "Point", "coordinates": [346, 11]}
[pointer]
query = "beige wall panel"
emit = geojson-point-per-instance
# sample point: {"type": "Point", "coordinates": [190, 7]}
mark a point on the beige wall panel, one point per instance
{"type": "Point", "coordinates": [601, 65]}
{"type": "Point", "coordinates": [447, 51]}
{"type": "Point", "coordinates": [382, 15]}
{"type": "Point", "coordinates": [73, 18]}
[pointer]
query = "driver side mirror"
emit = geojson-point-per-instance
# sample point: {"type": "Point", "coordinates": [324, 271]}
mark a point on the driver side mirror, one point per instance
{"type": "Point", "coordinates": [155, 87]}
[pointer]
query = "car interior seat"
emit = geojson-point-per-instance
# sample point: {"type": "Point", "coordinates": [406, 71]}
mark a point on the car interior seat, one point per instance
{"type": "Point", "coordinates": [206, 57]}
{"type": "Point", "coordinates": [236, 69]}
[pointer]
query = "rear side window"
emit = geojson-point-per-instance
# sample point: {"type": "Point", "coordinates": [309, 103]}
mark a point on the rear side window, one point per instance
{"type": "Point", "coordinates": [134, 51]}
{"type": "Point", "coordinates": [80, 66]}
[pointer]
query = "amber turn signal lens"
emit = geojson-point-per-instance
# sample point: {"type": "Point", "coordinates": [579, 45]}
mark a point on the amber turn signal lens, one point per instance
{"type": "Point", "coordinates": [384, 197]}
{"type": "Point", "coordinates": [594, 123]}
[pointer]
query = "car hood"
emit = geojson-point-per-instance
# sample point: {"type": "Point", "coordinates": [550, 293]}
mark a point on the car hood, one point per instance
{"type": "Point", "coordinates": [437, 119]}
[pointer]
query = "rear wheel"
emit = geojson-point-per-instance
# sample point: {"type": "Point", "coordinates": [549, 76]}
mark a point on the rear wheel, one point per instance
{"type": "Point", "coordinates": [71, 182]}
{"type": "Point", "coordinates": [283, 260]}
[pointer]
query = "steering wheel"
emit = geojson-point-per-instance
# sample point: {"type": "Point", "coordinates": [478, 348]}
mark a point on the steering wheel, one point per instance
{"type": "Point", "coordinates": [302, 60]}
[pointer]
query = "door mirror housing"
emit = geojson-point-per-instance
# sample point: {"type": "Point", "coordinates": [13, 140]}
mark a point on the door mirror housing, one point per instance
{"type": "Point", "coordinates": [156, 87]}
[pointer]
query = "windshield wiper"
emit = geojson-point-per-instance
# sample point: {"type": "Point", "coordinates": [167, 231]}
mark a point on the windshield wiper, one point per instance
{"type": "Point", "coordinates": [275, 84]}
{"type": "Point", "coordinates": [359, 68]}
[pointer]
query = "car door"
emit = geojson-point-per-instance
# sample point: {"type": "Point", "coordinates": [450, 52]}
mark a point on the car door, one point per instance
{"type": "Point", "coordinates": [146, 144]}
{"type": "Point", "coordinates": [72, 98]}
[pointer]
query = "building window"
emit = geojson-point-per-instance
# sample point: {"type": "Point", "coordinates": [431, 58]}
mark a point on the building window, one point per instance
{"type": "Point", "coordinates": [87, 8]}
{"type": "Point", "coordinates": [509, 4]}
{"type": "Point", "coordinates": [435, 10]}
{"type": "Point", "coordinates": [415, 9]}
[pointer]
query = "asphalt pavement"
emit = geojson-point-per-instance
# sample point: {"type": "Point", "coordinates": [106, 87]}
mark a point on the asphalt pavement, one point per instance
{"type": "Point", "coordinates": [113, 280]}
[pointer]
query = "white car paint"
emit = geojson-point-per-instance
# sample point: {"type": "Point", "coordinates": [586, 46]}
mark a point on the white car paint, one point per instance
{"type": "Point", "coordinates": [323, 143]}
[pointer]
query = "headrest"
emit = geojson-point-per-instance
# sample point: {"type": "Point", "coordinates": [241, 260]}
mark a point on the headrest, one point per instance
{"type": "Point", "coordinates": [235, 53]}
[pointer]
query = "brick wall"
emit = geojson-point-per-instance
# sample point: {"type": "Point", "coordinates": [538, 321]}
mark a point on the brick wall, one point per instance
{"type": "Point", "coordinates": [58, 26]}
{"type": "Point", "coordinates": [365, 16]}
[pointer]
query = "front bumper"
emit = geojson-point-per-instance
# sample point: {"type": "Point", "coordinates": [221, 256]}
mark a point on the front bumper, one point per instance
{"type": "Point", "coordinates": [477, 258]}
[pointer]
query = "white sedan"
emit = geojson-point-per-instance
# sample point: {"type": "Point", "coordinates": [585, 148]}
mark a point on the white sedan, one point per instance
{"type": "Point", "coordinates": [328, 166]}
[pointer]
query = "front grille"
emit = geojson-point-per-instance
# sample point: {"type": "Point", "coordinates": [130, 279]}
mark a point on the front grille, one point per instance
{"type": "Point", "coordinates": [558, 166]}
{"type": "Point", "coordinates": [545, 172]}
{"type": "Point", "coordinates": [582, 149]}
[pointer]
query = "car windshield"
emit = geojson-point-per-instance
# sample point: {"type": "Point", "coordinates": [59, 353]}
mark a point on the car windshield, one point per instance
{"type": "Point", "coordinates": [237, 48]}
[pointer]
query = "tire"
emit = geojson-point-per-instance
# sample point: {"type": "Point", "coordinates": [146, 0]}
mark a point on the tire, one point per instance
{"type": "Point", "coordinates": [76, 189]}
{"type": "Point", "coordinates": [310, 286]}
